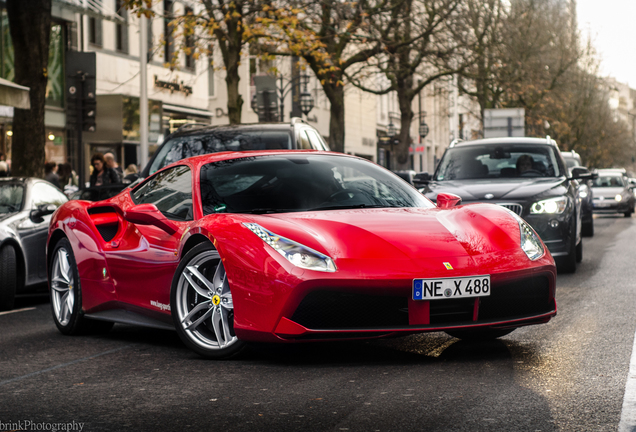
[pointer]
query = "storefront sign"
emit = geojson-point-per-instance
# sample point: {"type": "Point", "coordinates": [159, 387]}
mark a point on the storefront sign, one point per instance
{"type": "Point", "coordinates": [173, 86]}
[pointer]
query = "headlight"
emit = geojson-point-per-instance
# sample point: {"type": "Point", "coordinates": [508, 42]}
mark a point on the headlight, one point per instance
{"type": "Point", "coordinates": [295, 253]}
{"type": "Point", "coordinates": [618, 198]}
{"type": "Point", "coordinates": [550, 206]}
{"type": "Point", "coordinates": [530, 242]}
{"type": "Point", "coordinates": [583, 192]}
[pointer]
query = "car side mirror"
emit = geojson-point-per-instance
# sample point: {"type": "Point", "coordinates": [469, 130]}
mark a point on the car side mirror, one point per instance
{"type": "Point", "coordinates": [42, 210]}
{"type": "Point", "coordinates": [448, 200]}
{"type": "Point", "coordinates": [421, 179]}
{"type": "Point", "coordinates": [149, 214]}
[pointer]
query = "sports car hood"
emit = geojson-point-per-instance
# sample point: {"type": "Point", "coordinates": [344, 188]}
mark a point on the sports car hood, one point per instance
{"type": "Point", "coordinates": [404, 233]}
{"type": "Point", "coordinates": [607, 192]}
{"type": "Point", "coordinates": [501, 189]}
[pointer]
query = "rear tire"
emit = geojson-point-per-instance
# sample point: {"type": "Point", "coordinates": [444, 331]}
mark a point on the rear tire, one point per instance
{"type": "Point", "coordinates": [479, 334]}
{"type": "Point", "coordinates": [8, 277]}
{"type": "Point", "coordinates": [66, 294]}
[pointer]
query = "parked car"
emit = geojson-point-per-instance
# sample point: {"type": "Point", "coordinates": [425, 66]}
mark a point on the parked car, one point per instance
{"type": "Point", "coordinates": [26, 205]}
{"type": "Point", "coordinates": [526, 175]}
{"type": "Point", "coordinates": [283, 246]}
{"type": "Point", "coordinates": [612, 192]}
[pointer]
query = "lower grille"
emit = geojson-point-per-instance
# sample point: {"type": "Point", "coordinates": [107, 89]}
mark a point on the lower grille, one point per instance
{"type": "Point", "coordinates": [340, 310]}
{"type": "Point", "coordinates": [331, 310]}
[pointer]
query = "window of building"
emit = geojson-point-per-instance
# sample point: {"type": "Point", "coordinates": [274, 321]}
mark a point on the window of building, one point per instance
{"type": "Point", "coordinates": [211, 83]}
{"type": "Point", "coordinates": [95, 31]}
{"type": "Point", "coordinates": [168, 38]}
{"type": "Point", "coordinates": [189, 45]}
{"type": "Point", "coordinates": [121, 28]}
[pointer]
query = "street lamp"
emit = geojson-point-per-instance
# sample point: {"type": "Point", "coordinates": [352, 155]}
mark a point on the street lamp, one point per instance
{"type": "Point", "coordinates": [423, 129]}
{"type": "Point", "coordinates": [306, 99]}
{"type": "Point", "coordinates": [391, 130]}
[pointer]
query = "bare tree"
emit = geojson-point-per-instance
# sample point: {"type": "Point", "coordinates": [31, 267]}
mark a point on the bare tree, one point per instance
{"type": "Point", "coordinates": [417, 50]}
{"type": "Point", "coordinates": [331, 36]}
{"type": "Point", "coordinates": [30, 27]}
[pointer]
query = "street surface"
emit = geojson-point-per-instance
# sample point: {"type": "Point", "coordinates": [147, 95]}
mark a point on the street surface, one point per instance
{"type": "Point", "coordinates": [568, 375]}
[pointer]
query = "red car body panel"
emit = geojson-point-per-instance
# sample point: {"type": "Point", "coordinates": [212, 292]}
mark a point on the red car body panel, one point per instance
{"type": "Point", "coordinates": [378, 252]}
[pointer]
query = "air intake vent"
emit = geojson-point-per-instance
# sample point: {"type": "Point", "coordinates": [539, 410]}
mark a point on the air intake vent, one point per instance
{"type": "Point", "coordinates": [106, 220]}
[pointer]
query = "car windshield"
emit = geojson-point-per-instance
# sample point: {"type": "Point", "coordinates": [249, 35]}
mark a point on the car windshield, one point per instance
{"type": "Point", "coordinates": [571, 162]}
{"type": "Point", "coordinates": [609, 181]}
{"type": "Point", "coordinates": [277, 184]}
{"type": "Point", "coordinates": [217, 141]}
{"type": "Point", "coordinates": [498, 161]}
{"type": "Point", "coordinates": [11, 196]}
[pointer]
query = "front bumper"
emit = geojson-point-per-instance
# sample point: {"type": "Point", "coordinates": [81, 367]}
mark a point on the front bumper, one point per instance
{"type": "Point", "coordinates": [360, 308]}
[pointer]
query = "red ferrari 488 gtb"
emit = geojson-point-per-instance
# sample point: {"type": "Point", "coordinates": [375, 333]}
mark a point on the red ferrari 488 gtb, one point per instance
{"type": "Point", "coordinates": [291, 246]}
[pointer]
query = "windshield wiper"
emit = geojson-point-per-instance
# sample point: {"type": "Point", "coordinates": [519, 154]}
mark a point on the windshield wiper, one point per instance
{"type": "Point", "coordinates": [348, 206]}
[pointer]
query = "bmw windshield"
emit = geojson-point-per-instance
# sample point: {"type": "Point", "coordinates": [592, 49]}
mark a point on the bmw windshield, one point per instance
{"type": "Point", "coordinates": [278, 184]}
{"type": "Point", "coordinates": [498, 161]}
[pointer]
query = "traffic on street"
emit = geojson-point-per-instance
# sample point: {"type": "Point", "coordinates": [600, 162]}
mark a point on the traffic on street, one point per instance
{"type": "Point", "coordinates": [570, 374]}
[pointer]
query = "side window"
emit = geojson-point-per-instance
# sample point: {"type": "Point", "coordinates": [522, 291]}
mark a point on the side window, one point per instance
{"type": "Point", "coordinates": [42, 193]}
{"type": "Point", "coordinates": [315, 140]}
{"type": "Point", "coordinates": [170, 191]}
{"type": "Point", "coordinates": [303, 141]}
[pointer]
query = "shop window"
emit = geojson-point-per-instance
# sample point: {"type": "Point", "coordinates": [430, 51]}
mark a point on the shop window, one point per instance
{"type": "Point", "coordinates": [55, 83]}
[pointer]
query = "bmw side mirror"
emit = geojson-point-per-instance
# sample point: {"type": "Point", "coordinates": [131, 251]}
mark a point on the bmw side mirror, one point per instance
{"type": "Point", "coordinates": [42, 210]}
{"type": "Point", "coordinates": [149, 214]}
{"type": "Point", "coordinates": [447, 200]}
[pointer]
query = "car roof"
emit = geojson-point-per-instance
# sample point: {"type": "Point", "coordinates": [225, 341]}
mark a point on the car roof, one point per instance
{"type": "Point", "coordinates": [506, 140]}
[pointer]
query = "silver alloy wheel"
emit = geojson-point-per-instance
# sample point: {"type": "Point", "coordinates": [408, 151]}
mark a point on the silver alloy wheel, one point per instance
{"type": "Point", "coordinates": [204, 307]}
{"type": "Point", "coordinates": [63, 287]}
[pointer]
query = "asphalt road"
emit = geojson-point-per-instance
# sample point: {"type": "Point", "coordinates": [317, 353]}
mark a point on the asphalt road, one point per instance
{"type": "Point", "coordinates": [567, 375]}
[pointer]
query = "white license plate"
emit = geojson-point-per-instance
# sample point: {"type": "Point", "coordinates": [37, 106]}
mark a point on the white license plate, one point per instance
{"type": "Point", "coordinates": [443, 288]}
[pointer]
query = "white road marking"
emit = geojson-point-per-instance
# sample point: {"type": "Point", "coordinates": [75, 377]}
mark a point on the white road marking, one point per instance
{"type": "Point", "coordinates": [628, 413]}
{"type": "Point", "coordinates": [17, 310]}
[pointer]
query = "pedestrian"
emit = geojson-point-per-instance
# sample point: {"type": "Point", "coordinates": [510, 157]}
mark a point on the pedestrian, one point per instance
{"type": "Point", "coordinates": [50, 174]}
{"type": "Point", "coordinates": [131, 173]}
{"type": "Point", "coordinates": [68, 178]}
{"type": "Point", "coordinates": [4, 169]}
{"type": "Point", "coordinates": [109, 157]}
{"type": "Point", "coordinates": [102, 174]}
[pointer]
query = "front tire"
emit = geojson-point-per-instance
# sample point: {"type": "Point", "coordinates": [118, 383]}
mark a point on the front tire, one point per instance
{"type": "Point", "coordinates": [8, 277]}
{"type": "Point", "coordinates": [66, 294]}
{"type": "Point", "coordinates": [202, 306]}
{"type": "Point", "coordinates": [567, 264]}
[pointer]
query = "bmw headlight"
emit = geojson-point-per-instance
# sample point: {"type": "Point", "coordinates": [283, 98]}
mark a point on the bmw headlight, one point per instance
{"type": "Point", "coordinates": [583, 191]}
{"type": "Point", "coordinates": [618, 198]}
{"type": "Point", "coordinates": [550, 206]}
{"type": "Point", "coordinates": [295, 253]}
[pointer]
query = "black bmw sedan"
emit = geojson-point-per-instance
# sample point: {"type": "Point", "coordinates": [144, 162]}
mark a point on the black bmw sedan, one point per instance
{"type": "Point", "coordinates": [26, 205]}
{"type": "Point", "coordinates": [526, 175]}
